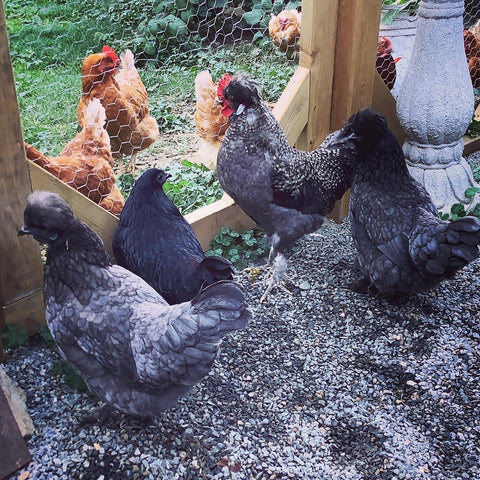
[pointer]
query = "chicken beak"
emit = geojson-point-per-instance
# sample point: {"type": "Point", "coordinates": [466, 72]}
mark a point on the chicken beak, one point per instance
{"type": "Point", "coordinates": [339, 138]}
{"type": "Point", "coordinates": [24, 231]}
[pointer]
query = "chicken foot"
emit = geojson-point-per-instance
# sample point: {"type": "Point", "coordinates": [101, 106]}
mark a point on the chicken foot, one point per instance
{"type": "Point", "coordinates": [276, 276]}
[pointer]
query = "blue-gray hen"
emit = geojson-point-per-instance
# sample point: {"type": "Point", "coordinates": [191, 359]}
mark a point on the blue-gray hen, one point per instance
{"type": "Point", "coordinates": [153, 240]}
{"type": "Point", "coordinates": [134, 351]}
{"type": "Point", "coordinates": [402, 244]}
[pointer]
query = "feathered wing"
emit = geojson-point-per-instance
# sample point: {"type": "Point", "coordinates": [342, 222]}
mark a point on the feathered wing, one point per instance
{"type": "Point", "coordinates": [92, 326]}
{"type": "Point", "coordinates": [178, 344]}
{"type": "Point", "coordinates": [418, 243]}
{"type": "Point", "coordinates": [133, 349]}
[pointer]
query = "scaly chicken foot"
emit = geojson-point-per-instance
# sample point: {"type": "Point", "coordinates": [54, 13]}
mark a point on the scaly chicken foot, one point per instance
{"type": "Point", "coordinates": [130, 166]}
{"type": "Point", "coordinates": [98, 416]}
{"type": "Point", "coordinates": [276, 276]}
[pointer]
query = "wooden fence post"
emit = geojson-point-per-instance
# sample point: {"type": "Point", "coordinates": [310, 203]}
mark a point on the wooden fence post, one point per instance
{"type": "Point", "coordinates": [21, 277]}
{"type": "Point", "coordinates": [317, 53]}
{"type": "Point", "coordinates": [340, 51]}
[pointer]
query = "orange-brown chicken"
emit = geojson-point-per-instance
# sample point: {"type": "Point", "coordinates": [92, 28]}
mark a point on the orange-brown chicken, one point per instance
{"type": "Point", "coordinates": [210, 124]}
{"type": "Point", "coordinates": [284, 30]}
{"type": "Point", "coordinates": [472, 51]}
{"type": "Point", "coordinates": [129, 123]}
{"type": "Point", "coordinates": [86, 162]}
{"type": "Point", "coordinates": [385, 63]}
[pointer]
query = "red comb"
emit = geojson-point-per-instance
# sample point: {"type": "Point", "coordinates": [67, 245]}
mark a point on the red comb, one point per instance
{"type": "Point", "coordinates": [110, 52]}
{"type": "Point", "coordinates": [224, 81]}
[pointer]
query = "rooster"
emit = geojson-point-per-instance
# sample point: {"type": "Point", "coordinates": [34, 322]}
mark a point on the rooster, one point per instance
{"type": "Point", "coordinates": [403, 246]}
{"type": "Point", "coordinates": [385, 63]}
{"type": "Point", "coordinates": [284, 30]}
{"type": "Point", "coordinates": [153, 240]}
{"type": "Point", "coordinates": [86, 162]}
{"type": "Point", "coordinates": [210, 124]}
{"type": "Point", "coordinates": [135, 352]}
{"type": "Point", "coordinates": [129, 123]}
{"type": "Point", "coordinates": [287, 192]}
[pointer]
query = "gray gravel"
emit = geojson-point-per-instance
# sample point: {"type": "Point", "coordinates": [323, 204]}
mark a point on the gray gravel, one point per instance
{"type": "Point", "coordinates": [324, 384]}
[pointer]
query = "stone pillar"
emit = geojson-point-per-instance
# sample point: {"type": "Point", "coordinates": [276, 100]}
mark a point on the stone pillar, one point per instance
{"type": "Point", "coordinates": [435, 104]}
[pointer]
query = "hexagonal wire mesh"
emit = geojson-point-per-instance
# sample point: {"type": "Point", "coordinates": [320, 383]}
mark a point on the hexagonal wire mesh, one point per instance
{"type": "Point", "coordinates": [172, 42]}
{"type": "Point", "coordinates": [397, 34]}
{"type": "Point", "coordinates": [150, 112]}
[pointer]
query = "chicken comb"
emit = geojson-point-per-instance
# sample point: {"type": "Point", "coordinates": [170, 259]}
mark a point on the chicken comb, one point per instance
{"type": "Point", "coordinates": [110, 52]}
{"type": "Point", "coordinates": [224, 81]}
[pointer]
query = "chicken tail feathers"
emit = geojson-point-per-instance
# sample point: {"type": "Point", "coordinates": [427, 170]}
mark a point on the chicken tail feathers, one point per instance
{"type": "Point", "coordinates": [213, 269]}
{"type": "Point", "coordinates": [95, 114]}
{"type": "Point", "coordinates": [128, 60]}
{"type": "Point", "coordinates": [35, 155]}
{"type": "Point", "coordinates": [221, 308]}
{"type": "Point", "coordinates": [449, 247]}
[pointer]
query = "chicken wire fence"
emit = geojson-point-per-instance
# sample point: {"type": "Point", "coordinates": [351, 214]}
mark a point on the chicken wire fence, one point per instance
{"type": "Point", "coordinates": [172, 41]}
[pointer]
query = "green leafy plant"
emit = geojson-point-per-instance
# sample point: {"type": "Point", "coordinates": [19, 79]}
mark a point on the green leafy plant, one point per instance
{"type": "Point", "coordinates": [240, 248]}
{"type": "Point", "coordinates": [13, 336]}
{"type": "Point", "coordinates": [70, 376]}
{"type": "Point", "coordinates": [191, 186]}
{"type": "Point", "coordinates": [177, 24]}
{"type": "Point", "coordinates": [47, 336]}
{"type": "Point", "coordinates": [458, 210]}
{"type": "Point", "coordinates": [167, 118]}
{"type": "Point", "coordinates": [393, 8]}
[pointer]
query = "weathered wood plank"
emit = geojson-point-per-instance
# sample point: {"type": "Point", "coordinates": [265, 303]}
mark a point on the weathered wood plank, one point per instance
{"type": "Point", "coordinates": [317, 54]}
{"type": "Point", "coordinates": [28, 312]}
{"type": "Point", "coordinates": [21, 268]}
{"type": "Point", "coordinates": [470, 145]}
{"type": "Point", "coordinates": [97, 218]}
{"type": "Point", "coordinates": [291, 109]}
{"type": "Point", "coordinates": [14, 453]}
{"type": "Point", "coordinates": [208, 220]}
{"type": "Point", "coordinates": [356, 46]}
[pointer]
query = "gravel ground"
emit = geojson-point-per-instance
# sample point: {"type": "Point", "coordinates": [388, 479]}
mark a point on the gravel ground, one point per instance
{"type": "Point", "coordinates": [325, 384]}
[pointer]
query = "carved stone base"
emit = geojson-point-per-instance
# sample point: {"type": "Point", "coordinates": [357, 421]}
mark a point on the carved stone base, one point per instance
{"type": "Point", "coordinates": [446, 184]}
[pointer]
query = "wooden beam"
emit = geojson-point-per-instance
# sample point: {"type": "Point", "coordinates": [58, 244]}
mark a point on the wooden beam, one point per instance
{"type": "Point", "coordinates": [208, 220]}
{"type": "Point", "coordinates": [317, 54]}
{"type": "Point", "coordinates": [384, 103]}
{"type": "Point", "coordinates": [470, 145]}
{"type": "Point", "coordinates": [355, 54]}
{"type": "Point", "coordinates": [21, 267]}
{"type": "Point", "coordinates": [28, 313]}
{"type": "Point", "coordinates": [357, 35]}
{"type": "Point", "coordinates": [291, 109]}
{"type": "Point", "coordinates": [97, 218]}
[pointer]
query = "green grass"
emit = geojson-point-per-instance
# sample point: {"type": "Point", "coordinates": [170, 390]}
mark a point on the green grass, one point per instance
{"type": "Point", "coordinates": [50, 39]}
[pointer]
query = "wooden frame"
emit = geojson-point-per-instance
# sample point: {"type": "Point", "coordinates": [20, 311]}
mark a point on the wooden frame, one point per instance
{"type": "Point", "coordinates": [336, 77]}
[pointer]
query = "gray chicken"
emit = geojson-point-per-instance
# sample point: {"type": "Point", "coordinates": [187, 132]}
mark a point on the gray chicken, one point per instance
{"type": "Point", "coordinates": [134, 351]}
{"type": "Point", "coordinates": [287, 192]}
{"type": "Point", "coordinates": [403, 246]}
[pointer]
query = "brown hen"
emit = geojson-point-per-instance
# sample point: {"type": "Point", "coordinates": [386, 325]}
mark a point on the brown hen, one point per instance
{"type": "Point", "coordinates": [284, 30]}
{"type": "Point", "coordinates": [210, 124]}
{"type": "Point", "coordinates": [129, 124]}
{"type": "Point", "coordinates": [86, 162]}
